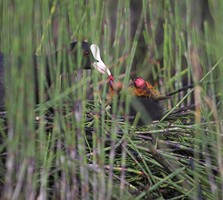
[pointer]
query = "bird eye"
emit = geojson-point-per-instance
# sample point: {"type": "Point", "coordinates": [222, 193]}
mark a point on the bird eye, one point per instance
{"type": "Point", "coordinates": [86, 53]}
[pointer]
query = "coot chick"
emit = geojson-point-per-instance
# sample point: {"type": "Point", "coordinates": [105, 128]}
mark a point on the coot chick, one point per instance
{"type": "Point", "coordinates": [145, 100]}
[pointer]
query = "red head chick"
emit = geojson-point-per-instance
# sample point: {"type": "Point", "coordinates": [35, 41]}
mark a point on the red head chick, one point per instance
{"type": "Point", "coordinates": [140, 87]}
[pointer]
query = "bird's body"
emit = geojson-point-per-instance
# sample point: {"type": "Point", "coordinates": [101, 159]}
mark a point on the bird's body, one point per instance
{"type": "Point", "coordinates": [49, 68]}
{"type": "Point", "coordinates": [148, 109]}
{"type": "Point", "coordinates": [146, 101]}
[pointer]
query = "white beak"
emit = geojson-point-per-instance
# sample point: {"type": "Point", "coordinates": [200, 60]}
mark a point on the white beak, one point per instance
{"type": "Point", "coordinates": [99, 64]}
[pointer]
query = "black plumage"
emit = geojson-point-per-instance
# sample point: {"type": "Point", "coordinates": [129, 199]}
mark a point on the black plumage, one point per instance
{"type": "Point", "coordinates": [67, 65]}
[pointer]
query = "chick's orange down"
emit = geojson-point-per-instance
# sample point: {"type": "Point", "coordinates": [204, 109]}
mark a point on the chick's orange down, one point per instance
{"type": "Point", "coordinates": [145, 100]}
{"type": "Point", "coordinates": [140, 87]}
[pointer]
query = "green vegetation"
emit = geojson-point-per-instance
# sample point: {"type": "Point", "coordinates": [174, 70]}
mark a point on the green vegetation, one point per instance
{"type": "Point", "coordinates": [83, 150]}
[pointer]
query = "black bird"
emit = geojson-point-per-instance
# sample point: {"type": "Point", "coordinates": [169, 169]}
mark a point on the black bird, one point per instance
{"type": "Point", "coordinates": [70, 59]}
